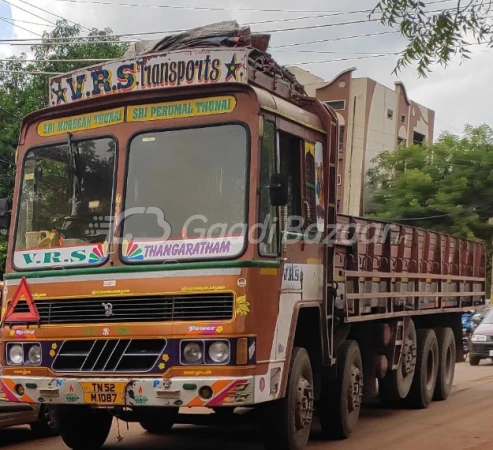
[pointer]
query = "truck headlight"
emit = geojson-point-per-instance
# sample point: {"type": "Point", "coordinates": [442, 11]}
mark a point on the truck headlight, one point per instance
{"type": "Point", "coordinates": [16, 354]}
{"type": "Point", "coordinates": [219, 352]}
{"type": "Point", "coordinates": [34, 354]}
{"type": "Point", "coordinates": [478, 338]}
{"type": "Point", "coordinates": [192, 352]}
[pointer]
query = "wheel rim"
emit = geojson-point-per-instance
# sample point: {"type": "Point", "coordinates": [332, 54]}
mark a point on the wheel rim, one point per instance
{"type": "Point", "coordinates": [304, 403]}
{"type": "Point", "coordinates": [355, 390]}
{"type": "Point", "coordinates": [430, 370]}
{"type": "Point", "coordinates": [409, 358]}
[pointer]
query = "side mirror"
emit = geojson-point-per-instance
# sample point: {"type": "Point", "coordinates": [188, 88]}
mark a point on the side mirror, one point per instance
{"type": "Point", "coordinates": [5, 213]}
{"type": "Point", "coordinates": [278, 189]}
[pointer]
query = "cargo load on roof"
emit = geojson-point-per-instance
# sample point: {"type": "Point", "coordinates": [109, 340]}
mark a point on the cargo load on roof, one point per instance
{"type": "Point", "coordinates": [219, 53]}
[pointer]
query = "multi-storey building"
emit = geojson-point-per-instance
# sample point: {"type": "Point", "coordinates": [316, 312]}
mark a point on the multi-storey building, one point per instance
{"type": "Point", "coordinates": [373, 118]}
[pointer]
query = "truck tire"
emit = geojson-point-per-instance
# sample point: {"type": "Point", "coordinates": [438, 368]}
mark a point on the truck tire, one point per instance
{"type": "Point", "coordinates": [287, 421]}
{"type": "Point", "coordinates": [159, 421]}
{"type": "Point", "coordinates": [81, 427]}
{"type": "Point", "coordinates": [446, 363]}
{"type": "Point", "coordinates": [396, 385]}
{"type": "Point", "coordinates": [341, 398]}
{"type": "Point", "coordinates": [474, 360]}
{"type": "Point", "coordinates": [425, 378]}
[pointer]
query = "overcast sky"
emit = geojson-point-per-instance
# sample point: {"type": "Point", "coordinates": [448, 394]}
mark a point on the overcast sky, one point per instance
{"type": "Point", "coordinates": [459, 94]}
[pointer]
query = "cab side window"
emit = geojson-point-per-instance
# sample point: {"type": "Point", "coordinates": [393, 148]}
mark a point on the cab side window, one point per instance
{"type": "Point", "coordinates": [310, 199]}
{"type": "Point", "coordinates": [290, 148]}
{"type": "Point", "coordinates": [267, 212]}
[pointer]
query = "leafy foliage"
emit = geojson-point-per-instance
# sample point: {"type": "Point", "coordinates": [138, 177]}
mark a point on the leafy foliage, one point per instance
{"type": "Point", "coordinates": [436, 36]}
{"type": "Point", "coordinates": [446, 186]}
{"type": "Point", "coordinates": [22, 93]}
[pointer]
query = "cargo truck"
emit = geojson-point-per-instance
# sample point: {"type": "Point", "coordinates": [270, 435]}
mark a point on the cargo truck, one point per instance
{"type": "Point", "coordinates": [174, 243]}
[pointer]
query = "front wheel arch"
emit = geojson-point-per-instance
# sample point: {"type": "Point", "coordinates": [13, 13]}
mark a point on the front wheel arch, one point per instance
{"type": "Point", "coordinates": [305, 333]}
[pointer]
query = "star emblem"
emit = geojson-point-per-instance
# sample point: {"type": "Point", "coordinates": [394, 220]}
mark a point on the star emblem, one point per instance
{"type": "Point", "coordinates": [233, 68]}
{"type": "Point", "coordinates": [60, 94]}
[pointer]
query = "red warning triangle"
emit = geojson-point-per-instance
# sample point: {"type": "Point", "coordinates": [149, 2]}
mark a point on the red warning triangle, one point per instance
{"type": "Point", "coordinates": [22, 294]}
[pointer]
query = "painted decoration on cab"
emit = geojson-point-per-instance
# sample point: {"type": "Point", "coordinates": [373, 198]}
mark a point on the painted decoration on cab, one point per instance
{"type": "Point", "coordinates": [61, 256]}
{"type": "Point", "coordinates": [159, 70]}
{"type": "Point", "coordinates": [319, 186]}
{"type": "Point", "coordinates": [292, 277]}
{"type": "Point", "coordinates": [81, 122]}
{"type": "Point", "coordinates": [242, 306]}
{"type": "Point", "coordinates": [181, 249]}
{"type": "Point", "coordinates": [315, 187]}
{"type": "Point", "coordinates": [181, 109]}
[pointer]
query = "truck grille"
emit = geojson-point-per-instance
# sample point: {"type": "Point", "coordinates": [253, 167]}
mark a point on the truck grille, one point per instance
{"type": "Point", "coordinates": [133, 309]}
{"type": "Point", "coordinates": [109, 355]}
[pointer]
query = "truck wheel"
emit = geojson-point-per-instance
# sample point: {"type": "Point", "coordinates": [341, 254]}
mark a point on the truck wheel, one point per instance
{"type": "Point", "coordinates": [425, 379]}
{"type": "Point", "coordinates": [159, 422]}
{"type": "Point", "coordinates": [397, 383]}
{"type": "Point", "coordinates": [446, 363]}
{"type": "Point", "coordinates": [474, 360]}
{"type": "Point", "coordinates": [81, 427]}
{"type": "Point", "coordinates": [287, 421]}
{"type": "Point", "coordinates": [341, 398]}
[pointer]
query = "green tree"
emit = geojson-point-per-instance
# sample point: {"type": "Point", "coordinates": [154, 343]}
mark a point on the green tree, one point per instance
{"type": "Point", "coordinates": [22, 93]}
{"type": "Point", "coordinates": [446, 186]}
{"type": "Point", "coordinates": [437, 31]}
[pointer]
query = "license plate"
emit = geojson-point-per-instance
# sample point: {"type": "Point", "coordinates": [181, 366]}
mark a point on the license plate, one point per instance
{"type": "Point", "coordinates": [98, 393]}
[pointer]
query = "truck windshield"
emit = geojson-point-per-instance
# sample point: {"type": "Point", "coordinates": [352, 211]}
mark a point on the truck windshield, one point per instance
{"type": "Point", "coordinates": [192, 184]}
{"type": "Point", "coordinates": [66, 195]}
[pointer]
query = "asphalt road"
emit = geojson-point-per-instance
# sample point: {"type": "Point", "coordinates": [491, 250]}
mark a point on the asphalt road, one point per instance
{"type": "Point", "coordinates": [461, 422]}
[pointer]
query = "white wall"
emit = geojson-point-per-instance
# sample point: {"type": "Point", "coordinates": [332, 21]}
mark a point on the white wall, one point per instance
{"type": "Point", "coordinates": [381, 129]}
{"type": "Point", "coordinates": [355, 147]}
{"type": "Point", "coordinates": [423, 123]}
{"type": "Point", "coordinates": [381, 135]}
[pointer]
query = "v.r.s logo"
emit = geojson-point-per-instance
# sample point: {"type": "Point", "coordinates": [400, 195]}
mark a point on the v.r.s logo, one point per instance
{"type": "Point", "coordinates": [54, 257]}
{"type": "Point", "coordinates": [292, 273]}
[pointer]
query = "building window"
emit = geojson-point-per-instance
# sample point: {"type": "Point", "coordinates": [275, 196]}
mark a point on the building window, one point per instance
{"type": "Point", "coordinates": [401, 142]}
{"type": "Point", "coordinates": [339, 180]}
{"type": "Point", "coordinates": [418, 138]}
{"type": "Point", "coordinates": [342, 129]}
{"type": "Point", "coordinates": [403, 118]}
{"type": "Point", "coordinates": [338, 105]}
{"type": "Point", "coordinates": [390, 113]}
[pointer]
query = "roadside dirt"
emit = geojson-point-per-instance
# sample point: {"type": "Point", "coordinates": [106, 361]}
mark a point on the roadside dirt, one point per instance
{"type": "Point", "coordinates": [460, 423]}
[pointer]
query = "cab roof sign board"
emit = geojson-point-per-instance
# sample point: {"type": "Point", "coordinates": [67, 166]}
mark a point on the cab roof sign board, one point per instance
{"type": "Point", "coordinates": [154, 71]}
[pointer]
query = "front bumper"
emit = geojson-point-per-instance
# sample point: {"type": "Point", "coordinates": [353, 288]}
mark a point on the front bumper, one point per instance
{"type": "Point", "coordinates": [125, 391]}
{"type": "Point", "coordinates": [481, 349]}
